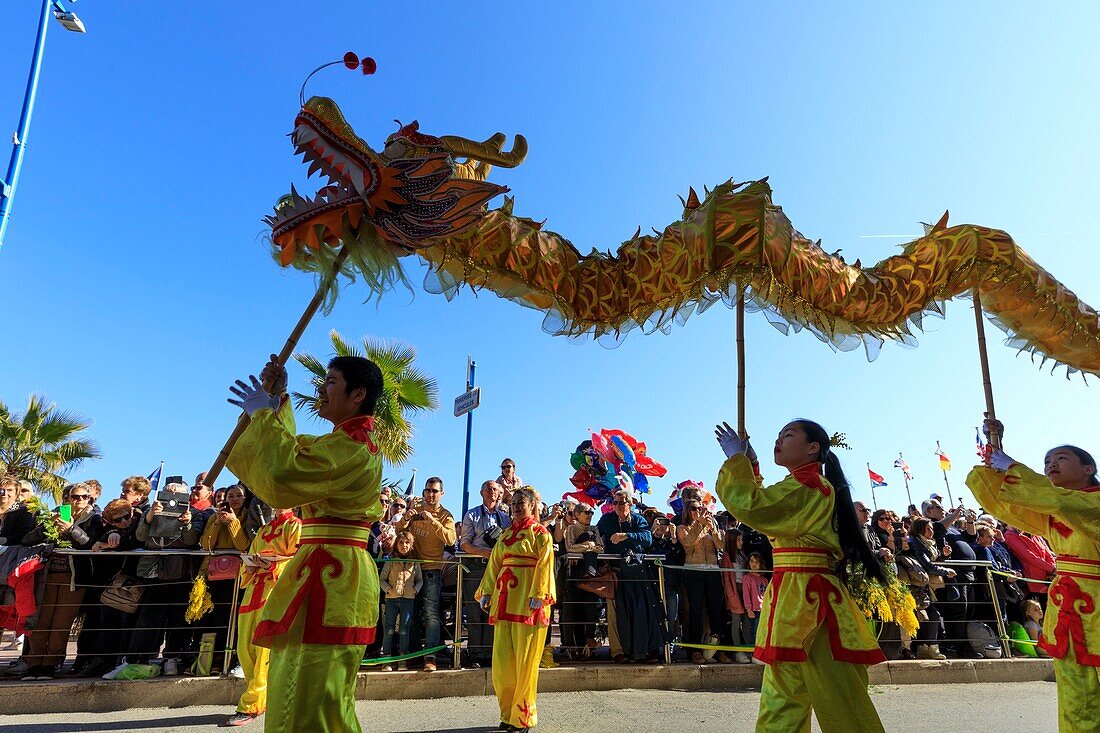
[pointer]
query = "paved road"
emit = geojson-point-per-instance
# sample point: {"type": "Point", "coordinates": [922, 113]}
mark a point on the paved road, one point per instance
{"type": "Point", "coordinates": [959, 708]}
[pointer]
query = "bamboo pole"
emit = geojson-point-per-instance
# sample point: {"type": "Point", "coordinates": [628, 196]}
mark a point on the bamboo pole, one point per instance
{"type": "Point", "coordinates": [284, 355]}
{"type": "Point", "coordinates": [983, 357]}
{"type": "Point", "coordinates": [741, 432]}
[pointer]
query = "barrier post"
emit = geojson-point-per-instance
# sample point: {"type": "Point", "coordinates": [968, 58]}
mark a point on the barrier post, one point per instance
{"type": "Point", "coordinates": [997, 610]}
{"type": "Point", "coordinates": [664, 609]}
{"type": "Point", "coordinates": [457, 664]}
{"type": "Point", "coordinates": [231, 632]}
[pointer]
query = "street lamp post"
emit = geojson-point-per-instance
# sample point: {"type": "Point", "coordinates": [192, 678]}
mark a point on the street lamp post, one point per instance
{"type": "Point", "coordinates": [70, 22]}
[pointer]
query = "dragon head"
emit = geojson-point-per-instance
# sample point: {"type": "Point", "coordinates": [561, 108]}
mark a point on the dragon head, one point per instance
{"type": "Point", "coordinates": [412, 191]}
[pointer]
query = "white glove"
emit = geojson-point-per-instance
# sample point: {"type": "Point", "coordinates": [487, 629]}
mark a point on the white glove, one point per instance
{"type": "Point", "coordinates": [485, 601]}
{"type": "Point", "coordinates": [730, 441]}
{"type": "Point", "coordinates": [252, 398]}
{"type": "Point", "coordinates": [536, 604]}
{"type": "Point", "coordinates": [999, 460]}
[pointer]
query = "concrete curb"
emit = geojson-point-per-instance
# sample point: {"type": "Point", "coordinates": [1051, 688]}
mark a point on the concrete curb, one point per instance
{"type": "Point", "coordinates": [96, 696]}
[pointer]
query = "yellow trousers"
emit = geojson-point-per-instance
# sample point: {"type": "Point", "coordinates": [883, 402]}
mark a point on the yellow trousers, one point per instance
{"type": "Point", "coordinates": [254, 662]}
{"type": "Point", "coordinates": [835, 691]}
{"type": "Point", "coordinates": [312, 689]}
{"type": "Point", "coordinates": [1078, 693]}
{"type": "Point", "coordinates": [517, 649]}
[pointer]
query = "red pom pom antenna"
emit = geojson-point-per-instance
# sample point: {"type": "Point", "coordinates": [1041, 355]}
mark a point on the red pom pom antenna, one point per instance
{"type": "Point", "coordinates": [351, 60]}
{"type": "Point", "coordinates": [369, 66]}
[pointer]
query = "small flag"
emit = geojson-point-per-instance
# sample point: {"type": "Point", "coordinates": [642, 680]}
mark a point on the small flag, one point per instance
{"type": "Point", "coordinates": [154, 479]}
{"type": "Point", "coordinates": [980, 444]}
{"type": "Point", "coordinates": [409, 488]}
{"type": "Point", "coordinates": [877, 481]}
{"type": "Point", "coordinates": [945, 462]}
{"type": "Point", "coordinates": [899, 463]}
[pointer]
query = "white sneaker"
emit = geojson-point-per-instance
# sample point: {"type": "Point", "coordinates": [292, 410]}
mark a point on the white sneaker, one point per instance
{"type": "Point", "coordinates": [170, 668]}
{"type": "Point", "coordinates": [237, 672]}
{"type": "Point", "coordinates": [15, 643]}
{"type": "Point", "coordinates": [742, 658]}
{"type": "Point", "coordinates": [757, 661]}
{"type": "Point", "coordinates": [17, 667]}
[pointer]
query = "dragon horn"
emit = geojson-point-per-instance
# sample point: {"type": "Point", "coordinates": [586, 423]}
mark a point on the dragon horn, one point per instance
{"type": "Point", "coordinates": [489, 151]}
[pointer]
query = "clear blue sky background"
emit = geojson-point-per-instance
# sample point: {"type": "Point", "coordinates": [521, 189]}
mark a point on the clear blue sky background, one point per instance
{"type": "Point", "coordinates": [137, 286]}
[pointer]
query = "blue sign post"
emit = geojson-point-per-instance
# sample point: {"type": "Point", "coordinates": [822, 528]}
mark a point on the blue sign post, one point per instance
{"type": "Point", "coordinates": [466, 404]}
{"type": "Point", "coordinates": [19, 140]}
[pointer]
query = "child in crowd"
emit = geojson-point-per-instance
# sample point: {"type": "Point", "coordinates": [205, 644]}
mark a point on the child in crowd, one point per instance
{"type": "Point", "coordinates": [733, 561]}
{"type": "Point", "coordinates": [400, 579]}
{"type": "Point", "coordinates": [582, 537]}
{"type": "Point", "coordinates": [753, 585]}
{"type": "Point", "coordinates": [1033, 622]}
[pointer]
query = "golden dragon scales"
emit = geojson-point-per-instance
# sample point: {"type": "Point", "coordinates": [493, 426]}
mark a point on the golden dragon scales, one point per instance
{"type": "Point", "coordinates": [415, 197]}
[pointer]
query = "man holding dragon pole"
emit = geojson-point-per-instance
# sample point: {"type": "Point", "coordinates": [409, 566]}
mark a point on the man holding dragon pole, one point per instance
{"type": "Point", "coordinates": [324, 608]}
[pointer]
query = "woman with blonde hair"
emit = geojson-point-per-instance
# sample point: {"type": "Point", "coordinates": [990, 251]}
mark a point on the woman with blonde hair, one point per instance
{"type": "Point", "coordinates": [517, 591]}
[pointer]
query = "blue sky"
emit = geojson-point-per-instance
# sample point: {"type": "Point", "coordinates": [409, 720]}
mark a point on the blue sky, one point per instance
{"type": "Point", "coordinates": [137, 285]}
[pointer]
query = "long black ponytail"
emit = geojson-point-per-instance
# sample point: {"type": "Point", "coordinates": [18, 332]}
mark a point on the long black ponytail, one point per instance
{"type": "Point", "coordinates": [853, 543]}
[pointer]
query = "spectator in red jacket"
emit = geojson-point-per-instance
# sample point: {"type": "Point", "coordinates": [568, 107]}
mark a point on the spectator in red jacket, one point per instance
{"type": "Point", "coordinates": [1036, 559]}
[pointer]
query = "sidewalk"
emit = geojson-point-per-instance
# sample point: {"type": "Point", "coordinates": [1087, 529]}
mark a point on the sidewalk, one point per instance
{"type": "Point", "coordinates": [78, 695]}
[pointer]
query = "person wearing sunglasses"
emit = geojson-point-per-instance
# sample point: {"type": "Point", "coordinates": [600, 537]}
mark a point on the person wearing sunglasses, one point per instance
{"type": "Point", "coordinates": [703, 541]}
{"type": "Point", "coordinates": [63, 590]}
{"type": "Point", "coordinates": [509, 481]}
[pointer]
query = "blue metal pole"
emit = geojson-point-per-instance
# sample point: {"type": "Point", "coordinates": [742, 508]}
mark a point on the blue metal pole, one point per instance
{"type": "Point", "coordinates": [471, 366]}
{"type": "Point", "coordinates": [7, 186]}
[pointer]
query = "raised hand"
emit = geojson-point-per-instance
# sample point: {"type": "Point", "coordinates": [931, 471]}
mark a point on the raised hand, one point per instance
{"type": "Point", "coordinates": [252, 397]}
{"type": "Point", "coordinates": [998, 460]}
{"type": "Point", "coordinates": [729, 440]}
{"type": "Point", "coordinates": [274, 376]}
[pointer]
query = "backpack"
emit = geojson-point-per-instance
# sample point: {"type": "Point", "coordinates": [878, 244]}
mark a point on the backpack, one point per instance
{"type": "Point", "coordinates": [983, 641]}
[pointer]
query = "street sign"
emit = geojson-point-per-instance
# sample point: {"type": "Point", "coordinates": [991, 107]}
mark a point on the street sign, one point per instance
{"type": "Point", "coordinates": [467, 402]}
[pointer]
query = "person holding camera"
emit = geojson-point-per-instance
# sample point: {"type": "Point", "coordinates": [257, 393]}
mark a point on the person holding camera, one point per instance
{"type": "Point", "coordinates": [479, 532]}
{"type": "Point", "coordinates": [224, 531]}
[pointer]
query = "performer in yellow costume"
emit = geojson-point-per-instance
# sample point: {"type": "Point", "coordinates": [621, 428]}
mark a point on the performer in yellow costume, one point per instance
{"type": "Point", "coordinates": [811, 634]}
{"type": "Point", "coordinates": [270, 550]}
{"type": "Point", "coordinates": [517, 592]}
{"type": "Point", "coordinates": [324, 609]}
{"type": "Point", "coordinates": [1064, 507]}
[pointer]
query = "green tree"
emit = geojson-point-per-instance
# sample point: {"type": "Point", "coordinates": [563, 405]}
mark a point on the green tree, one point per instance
{"type": "Point", "coordinates": [406, 390]}
{"type": "Point", "coordinates": [43, 444]}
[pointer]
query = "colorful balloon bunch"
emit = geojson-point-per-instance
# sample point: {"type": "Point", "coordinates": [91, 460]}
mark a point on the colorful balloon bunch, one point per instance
{"type": "Point", "coordinates": [609, 461]}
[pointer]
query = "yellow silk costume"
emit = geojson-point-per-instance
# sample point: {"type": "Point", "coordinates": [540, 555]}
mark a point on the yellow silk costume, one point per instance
{"type": "Point", "coordinates": [278, 538]}
{"type": "Point", "coordinates": [316, 645]}
{"type": "Point", "coordinates": [521, 567]}
{"type": "Point", "coordinates": [811, 634]}
{"type": "Point", "coordinates": [1070, 522]}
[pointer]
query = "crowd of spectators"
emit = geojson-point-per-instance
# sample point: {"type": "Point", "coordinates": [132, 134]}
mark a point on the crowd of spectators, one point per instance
{"type": "Point", "coordinates": [704, 601]}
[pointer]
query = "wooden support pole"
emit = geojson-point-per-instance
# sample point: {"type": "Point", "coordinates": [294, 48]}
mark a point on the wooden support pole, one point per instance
{"type": "Point", "coordinates": [284, 355]}
{"type": "Point", "coordinates": [741, 432]}
{"type": "Point", "coordinates": [983, 357]}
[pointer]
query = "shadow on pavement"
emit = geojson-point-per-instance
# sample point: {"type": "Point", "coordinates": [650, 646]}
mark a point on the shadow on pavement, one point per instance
{"type": "Point", "coordinates": [113, 725]}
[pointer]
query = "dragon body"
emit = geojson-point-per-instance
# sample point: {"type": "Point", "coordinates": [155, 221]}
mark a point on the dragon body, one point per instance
{"type": "Point", "coordinates": [415, 198]}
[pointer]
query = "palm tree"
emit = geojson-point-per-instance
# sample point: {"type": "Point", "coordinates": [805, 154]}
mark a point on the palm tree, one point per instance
{"type": "Point", "coordinates": [42, 444]}
{"type": "Point", "coordinates": [406, 390]}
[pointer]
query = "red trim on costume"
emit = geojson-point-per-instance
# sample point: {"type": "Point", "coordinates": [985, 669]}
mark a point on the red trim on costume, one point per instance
{"type": "Point", "coordinates": [810, 475]}
{"type": "Point", "coordinates": [1071, 602]}
{"type": "Point", "coordinates": [1059, 527]}
{"type": "Point", "coordinates": [1082, 560]}
{"type": "Point", "coordinates": [800, 569]}
{"type": "Point", "coordinates": [337, 521]}
{"type": "Point", "coordinates": [271, 530]}
{"type": "Point", "coordinates": [314, 588]}
{"type": "Point", "coordinates": [537, 617]}
{"type": "Point", "coordinates": [332, 541]}
{"type": "Point", "coordinates": [809, 550]}
{"type": "Point", "coordinates": [776, 582]}
{"type": "Point", "coordinates": [359, 429]}
{"type": "Point", "coordinates": [258, 599]}
{"type": "Point", "coordinates": [772, 654]}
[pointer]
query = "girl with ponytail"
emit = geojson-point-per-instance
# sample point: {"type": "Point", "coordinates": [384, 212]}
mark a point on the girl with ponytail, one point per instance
{"type": "Point", "coordinates": [1063, 505]}
{"type": "Point", "coordinates": [811, 634]}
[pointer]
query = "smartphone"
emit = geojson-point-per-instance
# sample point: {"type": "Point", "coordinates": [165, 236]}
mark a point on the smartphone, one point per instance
{"type": "Point", "coordinates": [65, 512]}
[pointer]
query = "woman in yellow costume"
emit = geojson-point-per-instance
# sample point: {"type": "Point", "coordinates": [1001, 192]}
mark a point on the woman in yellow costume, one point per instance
{"type": "Point", "coordinates": [1064, 507]}
{"type": "Point", "coordinates": [812, 635]}
{"type": "Point", "coordinates": [517, 592]}
{"type": "Point", "coordinates": [324, 609]}
{"type": "Point", "coordinates": [272, 546]}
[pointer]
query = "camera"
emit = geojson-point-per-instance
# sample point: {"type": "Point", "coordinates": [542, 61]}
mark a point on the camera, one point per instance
{"type": "Point", "coordinates": [491, 535]}
{"type": "Point", "coordinates": [172, 504]}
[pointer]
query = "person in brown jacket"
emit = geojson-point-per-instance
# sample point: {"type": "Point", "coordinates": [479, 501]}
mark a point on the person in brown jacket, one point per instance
{"type": "Point", "coordinates": [400, 579]}
{"type": "Point", "coordinates": [433, 527]}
